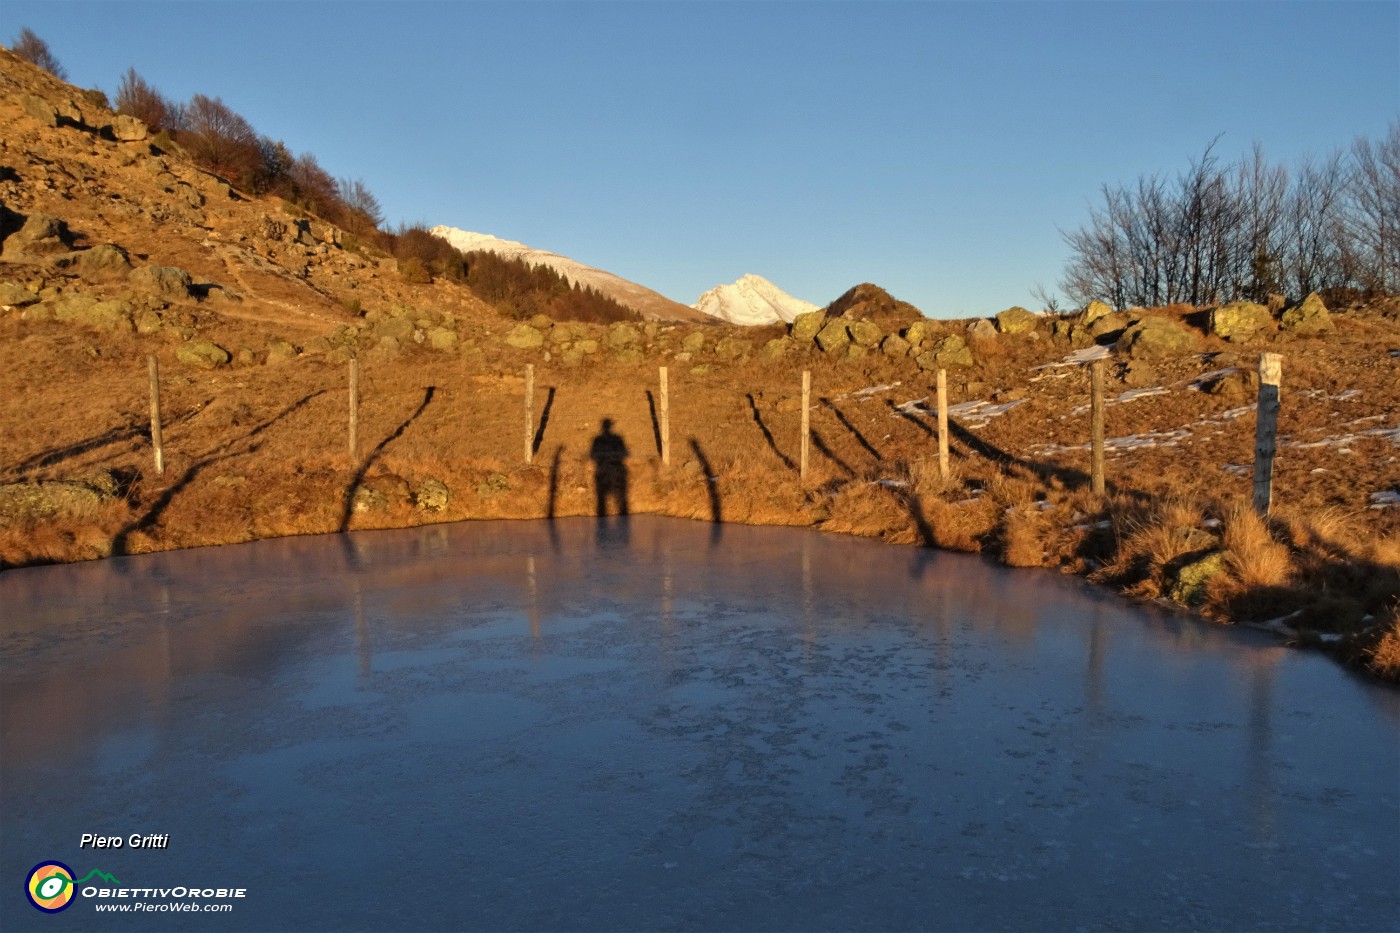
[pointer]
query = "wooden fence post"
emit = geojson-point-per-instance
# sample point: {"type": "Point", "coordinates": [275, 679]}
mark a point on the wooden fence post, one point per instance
{"type": "Point", "coordinates": [665, 420]}
{"type": "Point", "coordinates": [1265, 428]}
{"type": "Point", "coordinates": [529, 412]}
{"type": "Point", "coordinates": [806, 418]}
{"type": "Point", "coordinates": [1096, 425]}
{"type": "Point", "coordinates": [154, 368]}
{"type": "Point", "coordinates": [354, 409]}
{"type": "Point", "coordinates": [943, 424]}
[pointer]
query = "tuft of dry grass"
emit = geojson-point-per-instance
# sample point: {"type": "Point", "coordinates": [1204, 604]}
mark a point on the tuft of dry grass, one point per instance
{"type": "Point", "coordinates": [1255, 558]}
{"type": "Point", "coordinates": [1385, 657]}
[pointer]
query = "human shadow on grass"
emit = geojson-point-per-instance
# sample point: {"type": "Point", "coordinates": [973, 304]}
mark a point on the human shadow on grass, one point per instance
{"type": "Point", "coordinates": [712, 490]}
{"type": "Point", "coordinates": [609, 453]}
{"type": "Point", "coordinates": [348, 505]}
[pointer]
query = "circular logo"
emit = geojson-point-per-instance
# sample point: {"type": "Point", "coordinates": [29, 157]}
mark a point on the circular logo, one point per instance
{"type": "Point", "coordinates": [49, 886]}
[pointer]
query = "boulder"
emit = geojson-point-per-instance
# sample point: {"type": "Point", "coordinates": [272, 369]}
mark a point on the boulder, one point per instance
{"type": "Point", "coordinates": [895, 346]}
{"type": "Point", "coordinates": [865, 334]}
{"type": "Point", "coordinates": [40, 109]}
{"type": "Point", "coordinates": [41, 235]}
{"type": "Point", "coordinates": [128, 129]}
{"type": "Point", "coordinates": [1308, 317]}
{"type": "Point", "coordinates": [623, 335]}
{"type": "Point", "coordinates": [280, 351]}
{"type": "Point", "coordinates": [1107, 324]}
{"type": "Point", "coordinates": [1191, 581]}
{"type": "Point", "coordinates": [102, 261]}
{"type": "Point", "coordinates": [587, 347]}
{"type": "Point", "coordinates": [15, 296]}
{"type": "Point", "coordinates": [1017, 320]}
{"type": "Point", "coordinates": [1157, 338]}
{"type": "Point", "coordinates": [1093, 311]}
{"type": "Point", "coordinates": [805, 327]}
{"type": "Point", "coordinates": [492, 486]}
{"type": "Point", "coordinates": [694, 342]}
{"type": "Point", "coordinates": [68, 111]}
{"type": "Point", "coordinates": [442, 338]}
{"type": "Point", "coordinates": [833, 337]}
{"type": "Point", "coordinates": [1235, 388]}
{"type": "Point", "coordinates": [1240, 320]}
{"type": "Point", "coordinates": [629, 355]}
{"type": "Point", "coordinates": [202, 354]}
{"type": "Point", "coordinates": [982, 329]}
{"type": "Point", "coordinates": [375, 493]}
{"type": "Point", "coordinates": [385, 349]}
{"type": "Point", "coordinates": [919, 331]}
{"type": "Point", "coordinates": [777, 348]}
{"type": "Point", "coordinates": [953, 351]}
{"type": "Point", "coordinates": [732, 348]}
{"type": "Point", "coordinates": [22, 503]}
{"type": "Point", "coordinates": [168, 283]}
{"type": "Point", "coordinates": [432, 495]}
{"type": "Point", "coordinates": [401, 329]}
{"type": "Point", "coordinates": [90, 312]}
{"type": "Point", "coordinates": [525, 337]}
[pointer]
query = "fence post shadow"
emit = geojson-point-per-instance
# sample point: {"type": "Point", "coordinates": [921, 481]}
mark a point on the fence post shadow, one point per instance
{"type": "Point", "coordinates": [544, 421]}
{"type": "Point", "coordinates": [846, 423]}
{"type": "Point", "coordinates": [767, 434]}
{"type": "Point", "coordinates": [655, 421]}
{"type": "Point", "coordinates": [348, 506]}
{"type": "Point", "coordinates": [712, 489]}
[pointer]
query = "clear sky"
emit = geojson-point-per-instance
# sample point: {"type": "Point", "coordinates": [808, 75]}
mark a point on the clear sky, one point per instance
{"type": "Point", "coordinates": [935, 149]}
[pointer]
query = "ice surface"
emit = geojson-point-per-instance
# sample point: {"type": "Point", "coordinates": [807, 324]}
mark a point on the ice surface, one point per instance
{"type": "Point", "coordinates": [670, 725]}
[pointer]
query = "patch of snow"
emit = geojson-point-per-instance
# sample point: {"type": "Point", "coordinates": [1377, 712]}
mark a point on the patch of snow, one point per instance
{"type": "Point", "coordinates": [979, 410]}
{"type": "Point", "coordinates": [1080, 357]}
{"type": "Point", "coordinates": [1237, 469]}
{"type": "Point", "coordinates": [752, 300]}
{"type": "Point", "coordinates": [1385, 499]}
{"type": "Point", "coordinates": [862, 395]}
{"type": "Point", "coordinates": [1133, 394]}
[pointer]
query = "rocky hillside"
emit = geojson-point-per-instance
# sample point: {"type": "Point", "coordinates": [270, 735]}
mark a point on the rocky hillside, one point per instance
{"type": "Point", "coordinates": [651, 305]}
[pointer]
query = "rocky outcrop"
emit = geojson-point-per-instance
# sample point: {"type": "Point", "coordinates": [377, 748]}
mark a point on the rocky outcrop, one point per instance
{"type": "Point", "coordinates": [1240, 320]}
{"type": "Point", "coordinates": [805, 327]}
{"type": "Point", "coordinates": [1157, 338]}
{"type": "Point", "coordinates": [166, 283]}
{"type": "Point", "coordinates": [833, 337]}
{"type": "Point", "coordinates": [1017, 321]}
{"type": "Point", "coordinates": [40, 236]}
{"type": "Point", "coordinates": [202, 354]}
{"type": "Point", "coordinates": [1308, 318]}
{"type": "Point", "coordinates": [1093, 311]}
{"type": "Point", "coordinates": [525, 337]}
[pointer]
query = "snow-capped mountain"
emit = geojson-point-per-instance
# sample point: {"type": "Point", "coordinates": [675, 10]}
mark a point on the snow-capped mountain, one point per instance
{"type": "Point", "coordinates": [649, 304]}
{"type": "Point", "coordinates": [752, 300]}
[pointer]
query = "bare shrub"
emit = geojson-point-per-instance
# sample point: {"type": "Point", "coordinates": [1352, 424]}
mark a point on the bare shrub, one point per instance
{"type": "Point", "coordinates": [34, 50]}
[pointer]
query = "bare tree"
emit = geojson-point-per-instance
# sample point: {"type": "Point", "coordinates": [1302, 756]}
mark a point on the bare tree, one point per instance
{"type": "Point", "coordinates": [1374, 211]}
{"type": "Point", "coordinates": [137, 98]}
{"type": "Point", "coordinates": [34, 50]}
{"type": "Point", "coordinates": [221, 140]}
{"type": "Point", "coordinates": [1314, 226]}
{"type": "Point", "coordinates": [362, 210]}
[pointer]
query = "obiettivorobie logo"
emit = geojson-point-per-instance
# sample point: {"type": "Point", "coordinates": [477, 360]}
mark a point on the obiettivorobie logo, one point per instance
{"type": "Point", "coordinates": [50, 886]}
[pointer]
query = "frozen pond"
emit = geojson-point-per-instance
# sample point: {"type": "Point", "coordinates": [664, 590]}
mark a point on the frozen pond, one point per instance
{"type": "Point", "coordinates": [674, 725]}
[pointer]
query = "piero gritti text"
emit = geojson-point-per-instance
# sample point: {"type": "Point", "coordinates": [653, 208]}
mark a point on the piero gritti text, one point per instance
{"type": "Point", "coordinates": [134, 841]}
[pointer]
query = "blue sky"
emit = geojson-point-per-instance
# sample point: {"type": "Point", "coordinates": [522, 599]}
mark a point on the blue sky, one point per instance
{"type": "Point", "coordinates": [935, 149]}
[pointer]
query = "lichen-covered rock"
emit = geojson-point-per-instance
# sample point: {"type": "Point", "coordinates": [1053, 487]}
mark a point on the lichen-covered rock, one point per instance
{"type": "Point", "coordinates": [280, 351]}
{"type": "Point", "coordinates": [730, 348]}
{"type": "Point", "coordinates": [1191, 583]}
{"type": "Point", "coordinates": [629, 355]}
{"type": "Point", "coordinates": [375, 493]}
{"type": "Point", "coordinates": [777, 348]}
{"type": "Point", "coordinates": [1308, 317]}
{"type": "Point", "coordinates": [982, 329]}
{"type": "Point", "coordinates": [128, 129]}
{"type": "Point", "coordinates": [387, 348]}
{"type": "Point", "coordinates": [15, 296]}
{"type": "Point", "coordinates": [432, 495]}
{"type": "Point", "coordinates": [895, 346]}
{"type": "Point", "coordinates": [833, 337]}
{"type": "Point", "coordinates": [919, 331]}
{"type": "Point", "coordinates": [21, 503]}
{"type": "Point", "coordinates": [493, 485]}
{"type": "Point", "coordinates": [399, 328]}
{"type": "Point", "coordinates": [40, 235]}
{"type": "Point", "coordinates": [805, 327]}
{"type": "Point", "coordinates": [952, 351]}
{"type": "Point", "coordinates": [865, 334]}
{"type": "Point", "coordinates": [525, 337]}
{"type": "Point", "coordinates": [623, 335]}
{"type": "Point", "coordinates": [202, 354]}
{"type": "Point", "coordinates": [1017, 320]}
{"type": "Point", "coordinates": [1093, 311]}
{"type": "Point", "coordinates": [168, 283]}
{"type": "Point", "coordinates": [442, 338]}
{"type": "Point", "coordinates": [86, 310]}
{"type": "Point", "coordinates": [104, 260]}
{"type": "Point", "coordinates": [1157, 338]}
{"type": "Point", "coordinates": [1240, 320]}
{"type": "Point", "coordinates": [693, 343]}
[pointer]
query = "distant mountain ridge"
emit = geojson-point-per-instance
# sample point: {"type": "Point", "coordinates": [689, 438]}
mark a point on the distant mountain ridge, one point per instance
{"type": "Point", "coordinates": [752, 300]}
{"type": "Point", "coordinates": [649, 304]}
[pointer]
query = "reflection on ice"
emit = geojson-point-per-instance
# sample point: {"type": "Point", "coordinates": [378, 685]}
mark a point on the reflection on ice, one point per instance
{"type": "Point", "coordinates": [578, 726]}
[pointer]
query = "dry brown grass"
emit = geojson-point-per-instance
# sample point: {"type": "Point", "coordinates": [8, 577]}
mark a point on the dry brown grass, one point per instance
{"type": "Point", "coordinates": [1255, 558]}
{"type": "Point", "coordinates": [1384, 659]}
